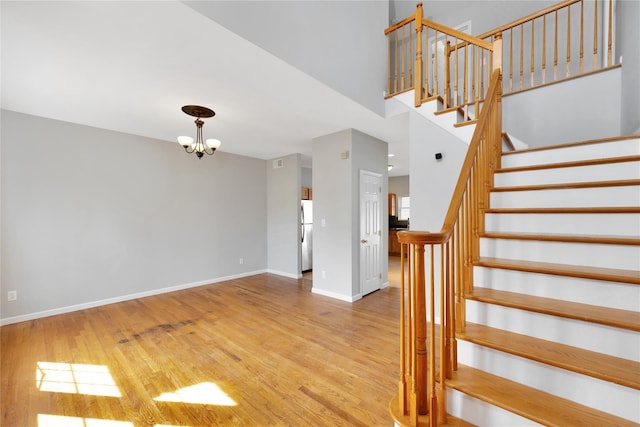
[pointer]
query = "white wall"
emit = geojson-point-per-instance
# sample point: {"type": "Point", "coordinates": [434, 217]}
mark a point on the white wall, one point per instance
{"type": "Point", "coordinates": [574, 110]}
{"type": "Point", "coordinates": [283, 211]}
{"type": "Point", "coordinates": [340, 43]}
{"type": "Point", "coordinates": [91, 216]}
{"type": "Point", "coordinates": [336, 203]}
{"type": "Point", "coordinates": [627, 36]}
{"type": "Point", "coordinates": [432, 181]}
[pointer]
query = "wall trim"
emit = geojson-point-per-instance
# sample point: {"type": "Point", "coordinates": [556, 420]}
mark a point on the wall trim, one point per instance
{"type": "Point", "coordinates": [282, 273]}
{"type": "Point", "coordinates": [98, 303]}
{"type": "Point", "coordinates": [336, 295]}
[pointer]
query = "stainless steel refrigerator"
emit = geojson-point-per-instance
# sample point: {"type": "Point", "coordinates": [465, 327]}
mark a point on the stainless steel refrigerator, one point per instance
{"type": "Point", "coordinates": [306, 221]}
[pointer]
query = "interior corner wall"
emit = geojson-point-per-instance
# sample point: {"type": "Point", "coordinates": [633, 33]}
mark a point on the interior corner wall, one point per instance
{"type": "Point", "coordinates": [332, 213]}
{"type": "Point", "coordinates": [627, 46]}
{"type": "Point", "coordinates": [283, 212]}
{"type": "Point", "coordinates": [314, 36]}
{"type": "Point", "coordinates": [431, 181]}
{"type": "Point", "coordinates": [91, 216]}
{"type": "Point", "coordinates": [575, 110]}
{"type": "Point", "coordinates": [399, 185]}
{"type": "Point", "coordinates": [368, 154]}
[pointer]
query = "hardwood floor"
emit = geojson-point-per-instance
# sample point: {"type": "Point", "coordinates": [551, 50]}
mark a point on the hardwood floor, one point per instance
{"type": "Point", "coordinates": [258, 351]}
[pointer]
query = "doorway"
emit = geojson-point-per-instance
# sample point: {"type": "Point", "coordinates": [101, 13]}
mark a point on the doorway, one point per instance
{"type": "Point", "coordinates": [370, 232]}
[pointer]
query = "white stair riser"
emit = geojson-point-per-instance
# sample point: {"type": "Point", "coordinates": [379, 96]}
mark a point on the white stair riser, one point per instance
{"type": "Point", "coordinates": [605, 172]}
{"type": "Point", "coordinates": [627, 147]}
{"type": "Point", "coordinates": [480, 413]}
{"type": "Point", "coordinates": [620, 401]}
{"type": "Point", "coordinates": [590, 336]}
{"type": "Point", "coordinates": [569, 197]}
{"type": "Point", "coordinates": [569, 224]}
{"type": "Point", "coordinates": [625, 257]}
{"type": "Point", "coordinates": [622, 296]}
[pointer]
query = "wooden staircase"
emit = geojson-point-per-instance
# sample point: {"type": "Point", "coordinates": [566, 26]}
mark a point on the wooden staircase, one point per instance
{"type": "Point", "coordinates": [552, 333]}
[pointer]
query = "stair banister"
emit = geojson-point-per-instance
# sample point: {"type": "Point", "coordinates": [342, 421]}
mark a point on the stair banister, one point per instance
{"type": "Point", "coordinates": [428, 352]}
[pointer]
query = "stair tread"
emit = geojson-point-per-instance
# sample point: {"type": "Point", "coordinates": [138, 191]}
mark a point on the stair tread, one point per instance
{"type": "Point", "coordinates": [625, 319]}
{"type": "Point", "coordinates": [573, 238]}
{"type": "Point", "coordinates": [568, 210]}
{"type": "Point", "coordinates": [598, 365]}
{"type": "Point", "coordinates": [575, 163]}
{"type": "Point", "coordinates": [575, 144]}
{"type": "Point", "coordinates": [569, 185]}
{"type": "Point", "coordinates": [582, 271]}
{"type": "Point", "coordinates": [536, 405]}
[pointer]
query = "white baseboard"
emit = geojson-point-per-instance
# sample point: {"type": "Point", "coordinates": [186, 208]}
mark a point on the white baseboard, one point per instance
{"type": "Point", "coordinates": [282, 273]}
{"type": "Point", "coordinates": [92, 304]}
{"type": "Point", "coordinates": [336, 295]}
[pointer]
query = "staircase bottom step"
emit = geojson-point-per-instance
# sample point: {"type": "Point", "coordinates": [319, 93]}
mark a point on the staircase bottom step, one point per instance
{"type": "Point", "coordinates": [538, 406]}
{"type": "Point", "coordinates": [423, 420]}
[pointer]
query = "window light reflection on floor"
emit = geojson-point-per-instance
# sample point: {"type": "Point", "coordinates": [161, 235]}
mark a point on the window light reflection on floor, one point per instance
{"type": "Point", "coordinates": [76, 378]}
{"type": "Point", "coordinates": [204, 393]}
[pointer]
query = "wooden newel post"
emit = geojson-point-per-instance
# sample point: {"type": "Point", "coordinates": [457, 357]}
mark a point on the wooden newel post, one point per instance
{"type": "Point", "coordinates": [497, 52]}
{"type": "Point", "coordinates": [417, 78]}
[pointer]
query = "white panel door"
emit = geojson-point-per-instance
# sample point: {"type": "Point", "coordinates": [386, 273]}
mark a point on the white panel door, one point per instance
{"type": "Point", "coordinates": [370, 232]}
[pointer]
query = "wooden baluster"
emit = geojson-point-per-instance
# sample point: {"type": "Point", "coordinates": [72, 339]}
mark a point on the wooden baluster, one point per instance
{"type": "Point", "coordinates": [402, 386]}
{"type": "Point", "coordinates": [447, 71]}
{"type": "Point", "coordinates": [568, 41]}
{"type": "Point", "coordinates": [444, 356]}
{"type": "Point", "coordinates": [465, 84]}
{"type": "Point", "coordinates": [482, 71]}
{"type": "Point", "coordinates": [510, 59]}
{"type": "Point", "coordinates": [610, 35]}
{"type": "Point", "coordinates": [474, 78]}
{"type": "Point", "coordinates": [411, 75]}
{"type": "Point", "coordinates": [436, 83]}
{"type": "Point", "coordinates": [455, 75]}
{"type": "Point", "coordinates": [581, 37]}
{"type": "Point", "coordinates": [532, 51]}
{"type": "Point", "coordinates": [544, 48]}
{"type": "Point", "coordinates": [432, 396]}
{"type": "Point", "coordinates": [420, 343]}
{"type": "Point", "coordinates": [402, 77]}
{"type": "Point", "coordinates": [521, 56]}
{"type": "Point", "coordinates": [388, 64]}
{"type": "Point", "coordinates": [417, 383]}
{"type": "Point", "coordinates": [418, 83]}
{"type": "Point", "coordinates": [595, 35]}
{"type": "Point", "coordinates": [395, 75]}
{"type": "Point", "coordinates": [427, 60]}
{"type": "Point", "coordinates": [555, 50]}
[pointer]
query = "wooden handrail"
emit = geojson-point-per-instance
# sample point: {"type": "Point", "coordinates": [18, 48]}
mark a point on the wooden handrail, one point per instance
{"type": "Point", "coordinates": [528, 18]}
{"type": "Point", "coordinates": [477, 41]}
{"type": "Point", "coordinates": [427, 238]}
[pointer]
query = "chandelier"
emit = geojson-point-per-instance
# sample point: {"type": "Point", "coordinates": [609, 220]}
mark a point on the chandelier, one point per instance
{"type": "Point", "coordinates": [199, 146]}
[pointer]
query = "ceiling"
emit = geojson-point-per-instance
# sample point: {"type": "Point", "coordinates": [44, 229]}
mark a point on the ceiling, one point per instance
{"type": "Point", "coordinates": [130, 66]}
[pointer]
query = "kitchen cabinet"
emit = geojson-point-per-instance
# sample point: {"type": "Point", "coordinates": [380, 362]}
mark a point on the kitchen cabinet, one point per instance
{"type": "Point", "coordinates": [394, 245]}
{"type": "Point", "coordinates": [393, 204]}
{"type": "Point", "coordinates": [306, 193]}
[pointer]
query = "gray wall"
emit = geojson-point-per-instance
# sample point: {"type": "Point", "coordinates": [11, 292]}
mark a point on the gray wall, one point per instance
{"type": "Point", "coordinates": [627, 45]}
{"type": "Point", "coordinates": [574, 110]}
{"type": "Point", "coordinates": [92, 216]}
{"type": "Point", "coordinates": [432, 181]}
{"type": "Point", "coordinates": [336, 245]}
{"type": "Point", "coordinates": [399, 185]}
{"type": "Point", "coordinates": [283, 211]}
{"type": "Point", "coordinates": [340, 43]}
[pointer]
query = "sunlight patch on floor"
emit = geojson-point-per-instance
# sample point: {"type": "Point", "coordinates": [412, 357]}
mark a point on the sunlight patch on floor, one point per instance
{"type": "Point", "coordinates": [204, 393]}
{"type": "Point", "coordinates": [75, 378]}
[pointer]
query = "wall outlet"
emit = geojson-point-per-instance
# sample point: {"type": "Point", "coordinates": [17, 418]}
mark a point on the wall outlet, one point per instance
{"type": "Point", "coordinates": [12, 295]}
{"type": "Point", "coordinates": [324, 274]}
{"type": "Point", "coordinates": [241, 261]}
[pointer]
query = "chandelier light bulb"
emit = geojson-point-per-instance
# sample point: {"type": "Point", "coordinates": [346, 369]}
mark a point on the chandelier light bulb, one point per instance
{"type": "Point", "coordinates": [185, 141]}
{"type": "Point", "coordinates": [213, 143]}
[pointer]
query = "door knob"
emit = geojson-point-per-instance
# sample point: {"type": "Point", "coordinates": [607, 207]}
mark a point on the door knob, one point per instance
{"type": "Point", "coordinates": [364, 240]}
